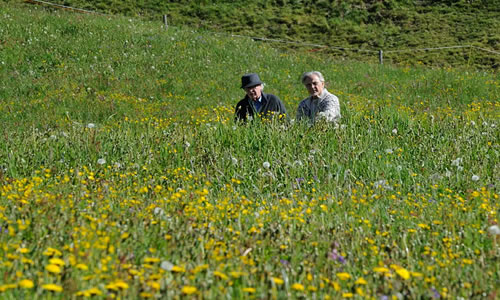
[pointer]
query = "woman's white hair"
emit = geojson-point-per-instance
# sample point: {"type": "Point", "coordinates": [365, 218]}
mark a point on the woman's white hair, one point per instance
{"type": "Point", "coordinates": [309, 74]}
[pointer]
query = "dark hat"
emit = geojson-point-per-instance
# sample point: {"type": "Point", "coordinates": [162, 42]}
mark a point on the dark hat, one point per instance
{"type": "Point", "coordinates": [249, 80]}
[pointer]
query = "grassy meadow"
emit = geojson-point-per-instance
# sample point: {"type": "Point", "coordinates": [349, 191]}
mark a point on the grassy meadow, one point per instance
{"type": "Point", "coordinates": [124, 176]}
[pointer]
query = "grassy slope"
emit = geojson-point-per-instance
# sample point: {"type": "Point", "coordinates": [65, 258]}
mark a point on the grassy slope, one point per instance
{"type": "Point", "coordinates": [373, 25]}
{"type": "Point", "coordinates": [181, 179]}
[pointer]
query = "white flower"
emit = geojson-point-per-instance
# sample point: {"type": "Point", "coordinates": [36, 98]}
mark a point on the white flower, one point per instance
{"type": "Point", "coordinates": [456, 162]}
{"type": "Point", "coordinates": [117, 165]}
{"type": "Point", "coordinates": [494, 230]}
{"type": "Point", "coordinates": [266, 165]}
{"type": "Point", "coordinates": [166, 265]}
{"type": "Point", "coordinates": [485, 123]}
{"type": "Point", "coordinates": [395, 131]}
{"type": "Point", "coordinates": [472, 123]}
{"type": "Point", "coordinates": [388, 151]}
{"type": "Point", "coordinates": [475, 178]}
{"type": "Point", "coordinates": [101, 161]}
{"type": "Point", "coordinates": [187, 144]}
{"type": "Point", "coordinates": [90, 125]}
{"type": "Point", "coordinates": [234, 160]}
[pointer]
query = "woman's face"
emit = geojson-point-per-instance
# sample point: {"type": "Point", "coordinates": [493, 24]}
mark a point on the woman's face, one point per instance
{"type": "Point", "coordinates": [314, 86]}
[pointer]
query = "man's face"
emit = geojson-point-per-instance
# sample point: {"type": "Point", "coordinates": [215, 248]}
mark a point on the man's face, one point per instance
{"type": "Point", "coordinates": [314, 86]}
{"type": "Point", "coordinates": [254, 92]}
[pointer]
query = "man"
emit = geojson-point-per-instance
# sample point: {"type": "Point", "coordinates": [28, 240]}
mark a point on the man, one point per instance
{"type": "Point", "coordinates": [257, 103]}
{"type": "Point", "coordinates": [320, 104]}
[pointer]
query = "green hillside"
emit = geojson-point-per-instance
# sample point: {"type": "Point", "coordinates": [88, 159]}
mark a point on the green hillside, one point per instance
{"type": "Point", "coordinates": [366, 25]}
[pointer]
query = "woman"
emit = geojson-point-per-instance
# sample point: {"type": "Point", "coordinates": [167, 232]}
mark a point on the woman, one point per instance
{"type": "Point", "coordinates": [320, 104]}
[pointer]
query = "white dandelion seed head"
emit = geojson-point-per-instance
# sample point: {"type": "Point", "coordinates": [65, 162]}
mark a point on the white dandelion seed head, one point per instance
{"type": "Point", "coordinates": [101, 161]}
{"type": "Point", "coordinates": [494, 230]}
{"type": "Point", "coordinates": [234, 160]}
{"type": "Point", "coordinates": [472, 123]}
{"type": "Point", "coordinates": [90, 125]}
{"type": "Point", "coordinates": [266, 165]}
{"type": "Point", "coordinates": [475, 178]}
{"type": "Point", "coordinates": [395, 131]}
{"type": "Point", "coordinates": [456, 162]}
{"type": "Point", "coordinates": [166, 265]}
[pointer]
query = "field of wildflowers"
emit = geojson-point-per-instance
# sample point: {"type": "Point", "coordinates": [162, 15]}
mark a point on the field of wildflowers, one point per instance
{"type": "Point", "coordinates": [124, 176]}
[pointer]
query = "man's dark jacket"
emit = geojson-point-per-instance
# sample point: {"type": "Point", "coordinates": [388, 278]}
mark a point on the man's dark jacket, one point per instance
{"type": "Point", "coordinates": [270, 104]}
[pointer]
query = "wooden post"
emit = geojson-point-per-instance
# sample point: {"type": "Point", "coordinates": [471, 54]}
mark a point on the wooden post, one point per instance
{"type": "Point", "coordinates": [165, 21]}
{"type": "Point", "coordinates": [381, 56]}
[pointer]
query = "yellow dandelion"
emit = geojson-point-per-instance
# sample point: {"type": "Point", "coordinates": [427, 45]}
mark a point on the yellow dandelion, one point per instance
{"type": "Point", "coordinates": [347, 295]}
{"type": "Point", "coordinates": [221, 275]}
{"type": "Point", "coordinates": [178, 269]}
{"type": "Point", "coordinates": [52, 287]}
{"type": "Point", "coordinates": [298, 287]}
{"type": "Point", "coordinates": [121, 284]}
{"type": "Point", "coordinates": [188, 290]}
{"type": "Point", "coordinates": [150, 260]}
{"type": "Point", "coordinates": [53, 269]}
{"type": "Point", "coordinates": [57, 261]}
{"type": "Point", "coordinates": [343, 276]}
{"type": "Point", "coordinates": [249, 290]}
{"type": "Point", "coordinates": [360, 280]}
{"type": "Point", "coordinates": [82, 267]}
{"type": "Point", "coordinates": [23, 250]}
{"type": "Point", "coordinates": [277, 281]}
{"type": "Point", "coordinates": [26, 284]}
{"type": "Point", "coordinates": [403, 273]}
{"type": "Point", "coordinates": [380, 270]}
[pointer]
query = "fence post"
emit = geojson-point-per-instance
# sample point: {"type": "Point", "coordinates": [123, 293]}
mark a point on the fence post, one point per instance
{"type": "Point", "coordinates": [165, 21]}
{"type": "Point", "coordinates": [381, 56]}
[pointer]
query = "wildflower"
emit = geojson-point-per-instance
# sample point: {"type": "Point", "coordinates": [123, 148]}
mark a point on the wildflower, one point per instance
{"type": "Point", "coordinates": [277, 281]}
{"type": "Point", "coordinates": [494, 230]}
{"type": "Point", "coordinates": [234, 160]}
{"type": "Point", "coordinates": [166, 265]}
{"type": "Point", "coordinates": [403, 273]}
{"type": "Point", "coordinates": [57, 261]}
{"type": "Point", "coordinates": [101, 161]}
{"type": "Point", "coordinates": [53, 269]}
{"type": "Point", "coordinates": [360, 280]}
{"type": "Point", "coordinates": [475, 178]}
{"type": "Point", "coordinates": [90, 125]}
{"type": "Point", "coordinates": [82, 267]}
{"type": "Point", "coordinates": [297, 287]}
{"type": "Point", "coordinates": [347, 295]}
{"type": "Point", "coordinates": [456, 162]}
{"type": "Point", "coordinates": [52, 287]}
{"type": "Point", "coordinates": [26, 283]}
{"type": "Point", "coordinates": [343, 276]}
{"type": "Point", "coordinates": [188, 290]}
{"type": "Point", "coordinates": [249, 290]}
{"type": "Point", "coordinates": [388, 151]}
{"type": "Point", "coordinates": [178, 269]}
{"type": "Point", "coordinates": [221, 275]}
{"type": "Point", "coordinates": [90, 292]}
{"type": "Point", "coordinates": [395, 131]}
{"type": "Point", "coordinates": [266, 165]}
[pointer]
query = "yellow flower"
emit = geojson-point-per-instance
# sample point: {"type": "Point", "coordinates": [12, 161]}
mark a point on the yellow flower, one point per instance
{"type": "Point", "coordinates": [298, 287]}
{"type": "Point", "coordinates": [53, 269]}
{"type": "Point", "coordinates": [5, 287]}
{"type": "Point", "coordinates": [150, 260]}
{"type": "Point", "coordinates": [178, 269]}
{"type": "Point", "coordinates": [23, 250]}
{"type": "Point", "coordinates": [52, 287]}
{"type": "Point", "coordinates": [360, 280]}
{"type": "Point", "coordinates": [380, 270]}
{"type": "Point", "coordinates": [82, 267]}
{"type": "Point", "coordinates": [403, 273]}
{"type": "Point", "coordinates": [188, 290]}
{"type": "Point", "coordinates": [277, 281]}
{"type": "Point", "coordinates": [26, 283]}
{"type": "Point", "coordinates": [57, 261]}
{"type": "Point", "coordinates": [347, 295]}
{"type": "Point", "coordinates": [221, 275]}
{"type": "Point", "coordinates": [90, 292]}
{"type": "Point", "coordinates": [343, 276]}
{"type": "Point", "coordinates": [249, 290]}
